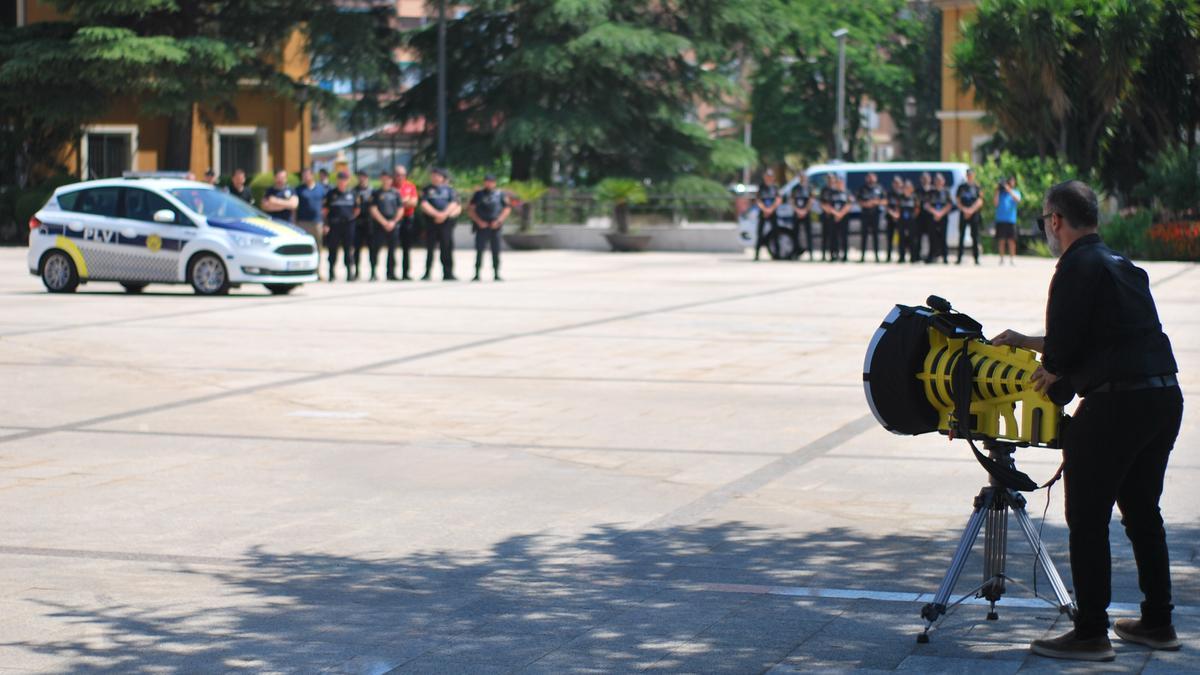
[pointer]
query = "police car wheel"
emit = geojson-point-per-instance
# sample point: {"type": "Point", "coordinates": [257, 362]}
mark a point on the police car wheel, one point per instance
{"type": "Point", "coordinates": [208, 276]}
{"type": "Point", "coordinates": [780, 245]}
{"type": "Point", "coordinates": [280, 289]}
{"type": "Point", "coordinates": [134, 286]}
{"type": "Point", "coordinates": [59, 273]}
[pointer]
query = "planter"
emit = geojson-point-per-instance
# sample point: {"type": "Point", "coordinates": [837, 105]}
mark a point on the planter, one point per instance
{"type": "Point", "coordinates": [628, 243]}
{"type": "Point", "coordinates": [527, 241]}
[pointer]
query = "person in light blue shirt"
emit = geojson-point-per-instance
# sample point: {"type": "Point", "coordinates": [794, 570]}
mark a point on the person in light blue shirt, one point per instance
{"type": "Point", "coordinates": [1007, 198]}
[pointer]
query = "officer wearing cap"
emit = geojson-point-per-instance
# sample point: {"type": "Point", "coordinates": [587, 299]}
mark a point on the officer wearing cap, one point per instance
{"type": "Point", "coordinates": [385, 213]}
{"type": "Point", "coordinates": [362, 224]}
{"type": "Point", "coordinates": [938, 206]}
{"type": "Point", "coordinates": [870, 199]}
{"type": "Point", "coordinates": [488, 209]}
{"type": "Point", "coordinates": [767, 200]}
{"type": "Point", "coordinates": [969, 201]}
{"type": "Point", "coordinates": [342, 209]}
{"type": "Point", "coordinates": [439, 204]}
{"type": "Point", "coordinates": [1104, 342]}
{"type": "Point", "coordinates": [922, 226]}
{"type": "Point", "coordinates": [802, 202]}
{"type": "Point", "coordinates": [837, 204]}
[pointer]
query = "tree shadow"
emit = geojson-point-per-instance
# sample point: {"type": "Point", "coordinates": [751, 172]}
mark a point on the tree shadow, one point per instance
{"type": "Point", "coordinates": [727, 597]}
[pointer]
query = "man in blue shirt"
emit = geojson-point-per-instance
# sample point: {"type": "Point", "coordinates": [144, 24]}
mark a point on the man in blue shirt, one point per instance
{"type": "Point", "coordinates": [311, 197]}
{"type": "Point", "coordinates": [439, 204]}
{"type": "Point", "coordinates": [1006, 200]}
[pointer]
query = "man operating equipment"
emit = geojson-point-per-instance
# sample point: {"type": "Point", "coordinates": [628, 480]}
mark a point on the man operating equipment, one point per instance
{"type": "Point", "coordinates": [1104, 342]}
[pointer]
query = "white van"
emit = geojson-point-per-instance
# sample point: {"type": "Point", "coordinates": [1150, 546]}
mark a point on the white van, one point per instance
{"type": "Point", "coordinates": [855, 174]}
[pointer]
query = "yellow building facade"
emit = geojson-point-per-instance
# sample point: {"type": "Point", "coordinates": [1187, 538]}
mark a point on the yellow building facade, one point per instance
{"type": "Point", "coordinates": [267, 133]}
{"type": "Point", "coordinates": [963, 130]}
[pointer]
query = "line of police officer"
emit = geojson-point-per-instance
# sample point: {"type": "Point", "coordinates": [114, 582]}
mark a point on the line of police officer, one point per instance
{"type": "Point", "coordinates": [915, 219]}
{"type": "Point", "coordinates": [384, 216]}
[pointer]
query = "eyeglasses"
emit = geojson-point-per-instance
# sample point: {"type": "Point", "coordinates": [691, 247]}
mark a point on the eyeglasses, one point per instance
{"type": "Point", "coordinates": [1041, 221]}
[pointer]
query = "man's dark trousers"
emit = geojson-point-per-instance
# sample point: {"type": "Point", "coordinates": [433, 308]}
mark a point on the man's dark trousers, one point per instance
{"type": "Point", "coordinates": [963, 225]}
{"type": "Point", "coordinates": [440, 237]}
{"type": "Point", "coordinates": [870, 228]}
{"type": "Point", "coordinates": [804, 224]}
{"type": "Point", "coordinates": [379, 238]}
{"type": "Point", "coordinates": [1115, 450]}
{"type": "Point", "coordinates": [407, 234]}
{"type": "Point", "coordinates": [892, 229]}
{"type": "Point", "coordinates": [760, 238]}
{"type": "Point", "coordinates": [487, 237]}
{"type": "Point", "coordinates": [340, 235]}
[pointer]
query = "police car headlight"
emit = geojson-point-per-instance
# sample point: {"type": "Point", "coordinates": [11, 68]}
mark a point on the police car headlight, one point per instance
{"type": "Point", "coordinates": [248, 240]}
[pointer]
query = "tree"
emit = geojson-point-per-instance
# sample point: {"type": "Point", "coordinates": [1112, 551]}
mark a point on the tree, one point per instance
{"type": "Point", "coordinates": [794, 100]}
{"type": "Point", "coordinates": [1055, 72]}
{"type": "Point", "coordinates": [170, 55]}
{"type": "Point", "coordinates": [587, 88]}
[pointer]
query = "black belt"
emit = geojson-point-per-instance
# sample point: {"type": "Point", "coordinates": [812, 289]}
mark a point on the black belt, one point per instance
{"type": "Point", "coordinates": [1156, 382]}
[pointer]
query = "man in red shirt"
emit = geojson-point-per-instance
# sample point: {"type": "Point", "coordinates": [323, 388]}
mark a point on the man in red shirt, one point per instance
{"type": "Point", "coordinates": [409, 197]}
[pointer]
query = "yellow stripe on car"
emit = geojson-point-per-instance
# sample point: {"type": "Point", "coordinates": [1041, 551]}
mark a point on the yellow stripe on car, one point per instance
{"type": "Point", "coordinates": [73, 251]}
{"type": "Point", "coordinates": [268, 224]}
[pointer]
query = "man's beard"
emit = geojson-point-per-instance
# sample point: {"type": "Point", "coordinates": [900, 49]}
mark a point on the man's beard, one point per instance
{"type": "Point", "coordinates": [1053, 243]}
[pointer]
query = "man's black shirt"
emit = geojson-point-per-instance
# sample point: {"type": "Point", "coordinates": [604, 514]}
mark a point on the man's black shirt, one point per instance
{"type": "Point", "coordinates": [801, 196]}
{"type": "Point", "coordinates": [362, 193]}
{"type": "Point", "coordinates": [341, 206]}
{"type": "Point", "coordinates": [489, 204]}
{"type": "Point", "coordinates": [440, 196]}
{"type": "Point", "coordinates": [836, 199]}
{"type": "Point", "coordinates": [387, 201]}
{"type": "Point", "coordinates": [285, 192]}
{"type": "Point", "coordinates": [871, 192]}
{"type": "Point", "coordinates": [938, 199]}
{"type": "Point", "coordinates": [243, 194]}
{"type": "Point", "coordinates": [1101, 322]}
{"type": "Point", "coordinates": [967, 194]}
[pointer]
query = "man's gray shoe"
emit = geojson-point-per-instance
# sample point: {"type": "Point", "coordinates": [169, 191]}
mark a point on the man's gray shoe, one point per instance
{"type": "Point", "coordinates": [1132, 630]}
{"type": "Point", "coordinates": [1070, 647]}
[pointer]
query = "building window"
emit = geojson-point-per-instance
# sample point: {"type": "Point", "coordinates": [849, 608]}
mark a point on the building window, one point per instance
{"type": "Point", "coordinates": [239, 148]}
{"type": "Point", "coordinates": [107, 151]}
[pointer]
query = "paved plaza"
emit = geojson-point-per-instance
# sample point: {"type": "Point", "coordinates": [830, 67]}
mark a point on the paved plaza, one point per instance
{"type": "Point", "coordinates": [608, 463]}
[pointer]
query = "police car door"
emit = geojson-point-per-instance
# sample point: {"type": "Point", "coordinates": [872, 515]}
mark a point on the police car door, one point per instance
{"type": "Point", "coordinates": [89, 224]}
{"type": "Point", "coordinates": [151, 236]}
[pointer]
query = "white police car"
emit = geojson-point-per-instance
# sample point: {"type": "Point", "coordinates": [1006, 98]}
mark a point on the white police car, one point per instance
{"type": "Point", "coordinates": [139, 231]}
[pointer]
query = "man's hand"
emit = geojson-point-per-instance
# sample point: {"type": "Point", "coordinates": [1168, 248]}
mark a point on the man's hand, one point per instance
{"type": "Point", "coordinates": [1011, 338]}
{"type": "Point", "coordinates": [1042, 379]}
{"type": "Point", "coordinates": [325, 229]}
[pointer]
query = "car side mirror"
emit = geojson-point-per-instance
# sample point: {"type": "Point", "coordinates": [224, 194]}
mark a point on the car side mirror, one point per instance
{"type": "Point", "coordinates": [165, 216]}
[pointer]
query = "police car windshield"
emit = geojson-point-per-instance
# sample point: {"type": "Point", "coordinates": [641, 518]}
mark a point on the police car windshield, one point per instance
{"type": "Point", "coordinates": [215, 204]}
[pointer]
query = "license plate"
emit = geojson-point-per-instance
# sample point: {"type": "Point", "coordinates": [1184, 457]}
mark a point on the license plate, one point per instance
{"type": "Point", "coordinates": [297, 264]}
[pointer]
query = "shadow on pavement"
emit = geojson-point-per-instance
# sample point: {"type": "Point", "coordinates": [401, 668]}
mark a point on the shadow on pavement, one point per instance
{"type": "Point", "coordinates": [613, 600]}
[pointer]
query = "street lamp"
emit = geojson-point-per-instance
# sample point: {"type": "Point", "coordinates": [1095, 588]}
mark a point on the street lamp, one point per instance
{"type": "Point", "coordinates": [841, 34]}
{"type": "Point", "coordinates": [441, 84]}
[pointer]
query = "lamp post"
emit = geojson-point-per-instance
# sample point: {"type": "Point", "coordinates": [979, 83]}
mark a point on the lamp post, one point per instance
{"type": "Point", "coordinates": [841, 34]}
{"type": "Point", "coordinates": [441, 84]}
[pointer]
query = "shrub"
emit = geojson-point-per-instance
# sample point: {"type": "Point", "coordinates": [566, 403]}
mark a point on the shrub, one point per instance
{"type": "Point", "coordinates": [621, 193]}
{"type": "Point", "coordinates": [1127, 233]}
{"type": "Point", "coordinates": [1034, 177]}
{"type": "Point", "coordinates": [1173, 180]}
{"type": "Point", "coordinates": [1177, 240]}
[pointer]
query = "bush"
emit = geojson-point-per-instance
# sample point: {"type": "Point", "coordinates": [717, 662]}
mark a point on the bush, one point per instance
{"type": "Point", "coordinates": [1127, 233]}
{"type": "Point", "coordinates": [1173, 180]}
{"type": "Point", "coordinates": [1178, 240]}
{"type": "Point", "coordinates": [27, 202]}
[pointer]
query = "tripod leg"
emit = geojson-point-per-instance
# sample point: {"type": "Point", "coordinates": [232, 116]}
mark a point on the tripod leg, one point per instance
{"type": "Point", "coordinates": [932, 611]}
{"type": "Point", "coordinates": [995, 550]}
{"type": "Point", "coordinates": [1065, 603]}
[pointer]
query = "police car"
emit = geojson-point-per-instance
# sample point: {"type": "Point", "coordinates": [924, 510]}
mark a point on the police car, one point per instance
{"type": "Point", "coordinates": [139, 230]}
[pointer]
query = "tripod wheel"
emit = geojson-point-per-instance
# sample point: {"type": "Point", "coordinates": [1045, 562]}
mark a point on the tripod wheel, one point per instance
{"type": "Point", "coordinates": [923, 639]}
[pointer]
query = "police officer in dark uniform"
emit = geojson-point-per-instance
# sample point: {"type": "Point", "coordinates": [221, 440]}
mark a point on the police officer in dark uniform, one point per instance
{"type": "Point", "coordinates": [341, 211]}
{"type": "Point", "coordinates": [921, 227]}
{"type": "Point", "coordinates": [892, 214]}
{"type": "Point", "coordinates": [871, 199]}
{"type": "Point", "coordinates": [837, 202]}
{"type": "Point", "coordinates": [384, 210]}
{"type": "Point", "coordinates": [767, 200]}
{"type": "Point", "coordinates": [439, 204]}
{"type": "Point", "coordinates": [969, 201]}
{"type": "Point", "coordinates": [938, 206]}
{"type": "Point", "coordinates": [488, 209]}
{"type": "Point", "coordinates": [1104, 342]}
{"type": "Point", "coordinates": [362, 224]}
{"type": "Point", "coordinates": [802, 204]}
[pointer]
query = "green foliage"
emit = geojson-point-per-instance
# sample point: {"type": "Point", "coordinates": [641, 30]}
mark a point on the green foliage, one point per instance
{"type": "Point", "coordinates": [528, 191]}
{"type": "Point", "coordinates": [1173, 179]}
{"type": "Point", "coordinates": [1127, 232]}
{"type": "Point", "coordinates": [1097, 83]}
{"type": "Point", "coordinates": [794, 99]}
{"type": "Point", "coordinates": [28, 201]}
{"type": "Point", "coordinates": [1034, 177]}
{"type": "Point", "coordinates": [621, 191]}
{"type": "Point", "coordinates": [587, 88]}
{"type": "Point", "coordinates": [696, 195]}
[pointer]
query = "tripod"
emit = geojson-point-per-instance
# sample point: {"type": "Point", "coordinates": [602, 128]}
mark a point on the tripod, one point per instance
{"type": "Point", "coordinates": [992, 506]}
